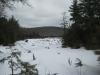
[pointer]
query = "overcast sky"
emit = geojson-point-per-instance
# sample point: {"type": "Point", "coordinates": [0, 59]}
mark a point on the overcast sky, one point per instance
{"type": "Point", "coordinates": [41, 12]}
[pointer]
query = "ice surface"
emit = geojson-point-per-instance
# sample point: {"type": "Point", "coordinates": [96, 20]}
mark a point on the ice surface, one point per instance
{"type": "Point", "coordinates": [51, 58]}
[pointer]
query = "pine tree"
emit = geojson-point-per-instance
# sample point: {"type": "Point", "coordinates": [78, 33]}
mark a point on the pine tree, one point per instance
{"type": "Point", "coordinates": [91, 22]}
{"type": "Point", "coordinates": [13, 28]}
{"type": "Point", "coordinates": [28, 69]}
{"type": "Point", "coordinates": [85, 28]}
{"type": "Point", "coordinates": [71, 38]}
{"type": "Point", "coordinates": [75, 12]}
{"type": "Point", "coordinates": [9, 30]}
{"type": "Point", "coordinates": [16, 64]}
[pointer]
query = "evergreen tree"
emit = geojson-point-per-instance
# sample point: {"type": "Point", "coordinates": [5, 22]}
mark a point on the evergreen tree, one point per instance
{"type": "Point", "coordinates": [85, 28]}
{"type": "Point", "coordinates": [9, 31]}
{"type": "Point", "coordinates": [71, 38]}
{"type": "Point", "coordinates": [90, 14]}
{"type": "Point", "coordinates": [13, 28]}
{"type": "Point", "coordinates": [75, 12]}
{"type": "Point", "coordinates": [16, 64]}
{"type": "Point", "coordinates": [28, 69]}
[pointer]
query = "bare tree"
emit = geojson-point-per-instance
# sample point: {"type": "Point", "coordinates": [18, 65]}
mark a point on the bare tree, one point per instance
{"type": "Point", "coordinates": [64, 22]}
{"type": "Point", "coordinates": [8, 4]}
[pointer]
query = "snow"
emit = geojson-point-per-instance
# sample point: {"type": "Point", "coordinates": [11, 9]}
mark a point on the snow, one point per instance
{"type": "Point", "coordinates": [51, 58]}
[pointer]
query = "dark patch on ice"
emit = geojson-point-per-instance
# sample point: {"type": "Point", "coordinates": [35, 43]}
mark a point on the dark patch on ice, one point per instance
{"type": "Point", "coordinates": [26, 40]}
{"type": "Point", "coordinates": [58, 53]}
{"type": "Point", "coordinates": [1, 52]}
{"type": "Point", "coordinates": [47, 47]}
{"type": "Point", "coordinates": [34, 57]}
{"type": "Point", "coordinates": [29, 51]}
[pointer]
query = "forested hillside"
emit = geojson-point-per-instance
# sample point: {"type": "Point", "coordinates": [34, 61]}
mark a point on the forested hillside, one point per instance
{"type": "Point", "coordinates": [48, 31]}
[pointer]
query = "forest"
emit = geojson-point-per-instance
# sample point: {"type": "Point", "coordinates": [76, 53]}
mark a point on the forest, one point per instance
{"type": "Point", "coordinates": [71, 49]}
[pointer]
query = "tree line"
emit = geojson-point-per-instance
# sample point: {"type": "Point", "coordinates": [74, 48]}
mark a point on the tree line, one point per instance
{"type": "Point", "coordinates": [10, 30]}
{"type": "Point", "coordinates": [85, 28]}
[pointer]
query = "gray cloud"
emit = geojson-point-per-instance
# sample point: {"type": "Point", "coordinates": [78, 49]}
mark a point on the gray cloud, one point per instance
{"type": "Point", "coordinates": [41, 12]}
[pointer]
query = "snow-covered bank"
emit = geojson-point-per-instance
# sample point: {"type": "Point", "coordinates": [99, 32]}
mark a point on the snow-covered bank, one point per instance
{"type": "Point", "coordinates": [52, 59]}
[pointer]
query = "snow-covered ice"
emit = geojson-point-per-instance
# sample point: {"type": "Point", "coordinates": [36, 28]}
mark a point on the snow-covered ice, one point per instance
{"type": "Point", "coordinates": [52, 59]}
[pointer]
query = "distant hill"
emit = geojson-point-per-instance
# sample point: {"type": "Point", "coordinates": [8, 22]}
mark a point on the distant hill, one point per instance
{"type": "Point", "coordinates": [43, 31]}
